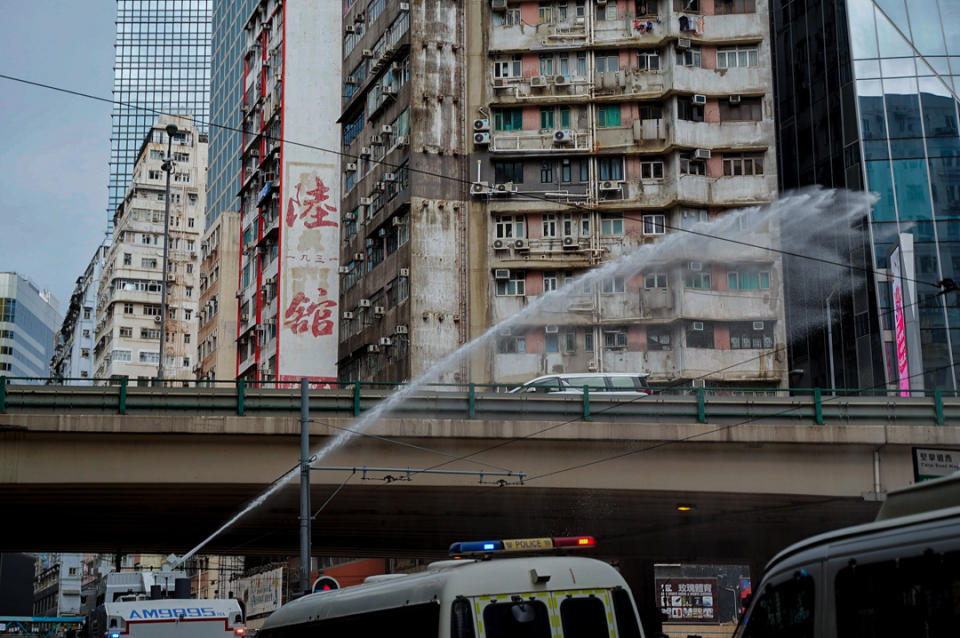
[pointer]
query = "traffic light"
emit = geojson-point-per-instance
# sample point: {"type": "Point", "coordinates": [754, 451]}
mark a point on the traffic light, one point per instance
{"type": "Point", "coordinates": [325, 583]}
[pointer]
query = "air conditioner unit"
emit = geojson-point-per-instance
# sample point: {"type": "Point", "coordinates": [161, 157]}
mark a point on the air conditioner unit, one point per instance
{"type": "Point", "coordinates": [396, 221]}
{"type": "Point", "coordinates": [498, 5]}
{"type": "Point", "coordinates": [758, 325]}
{"type": "Point", "coordinates": [404, 272]}
{"type": "Point", "coordinates": [602, 3]}
{"type": "Point", "coordinates": [388, 90]}
{"type": "Point", "coordinates": [403, 140]}
{"type": "Point", "coordinates": [373, 348]}
{"type": "Point", "coordinates": [351, 167]}
{"type": "Point", "coordinates": [501, 273]}
{"type": "Point", "coordinates": [404, 6]}
{"type": "Point", "coordinates": [171, 276]}
{"type": "Point", "coordinates": [481, 139]}
{"type": "Point", "coordinates": [363, 303]}
{"type": "Point", "coordinates": [504, 188]}
{"type": "Point", "coordinates": [379, 310]}
{"type": "Point", "coordinates": [479, 188]}
{"type": "Point", "coordinates": [699, 99]}
{"type": "Point", "coordinates": [349, 29]}
{"type": "Point", "coordinates": [349, 217]}
{"type": "Point", "coordinates": [609, 186]}
{"type": "Point", "coordinates": [367, 53]}
{"type": "Point", "coordinates": [157, 319]}
{"type": "Point", "coordinates": [499, 83]}
{"type": "Point", "coordinates": [358, 256]}
{"type": "Point", "coordinates": [734, 99]}
{"type": "Point", "coordinates": [386, 129]}
{"type": "Point", "coordinates": [481, 125]}
{"type": "Point", "coordinates": [239, 294]}
{"type": "Point", "coordinates": [562, 136]}
{"type": "Point", "coordinates": [389, 177]}
{"type": "Point", "coordinates": [551, 329]}
{"type": "Point", "coordinates": [386, 341]}
{"type": "Point", "coordinates": [701, 153]}
{"type": "Point", "coordinates": [538, 81]}
{"type": "Point", "coordinates": [366, 201]}
{"type": "Point", "coordinates": [570, 242]}
{"type": "Point", "coordinates": [343, 270]}
{"type": "Point", "coordinates": [378, 187]}
{"type": "Point", "coordinates": [696, 265]}
{"type": "Point", "coordinates": [347, 315]}
{"type": "Point", "coordinates": [359, 17]}
{"type": "Point", "coordinates": [499, 244]}
{"type": "Point", "coordinates": [698, 326]}
{"type": "Point", "coordinates": [365, 151]}
{"type": "Point", "coordinates": [400, 330]}
{"type": "Point", "coordinates": [683, 43]}
{"type": "Point", "coordinates": [521, 244]}
{"type": "Point", "coordinates": [561, 80]}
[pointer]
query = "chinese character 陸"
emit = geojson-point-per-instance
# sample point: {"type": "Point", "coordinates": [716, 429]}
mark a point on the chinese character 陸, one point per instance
{"type": "Point", "coordinates": [315, 207]}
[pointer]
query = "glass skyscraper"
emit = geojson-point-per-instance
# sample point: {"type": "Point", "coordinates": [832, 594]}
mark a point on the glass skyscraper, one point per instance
{"type": "Point", "coordinates": [867, 99]}
{"type": "Point", "coordinates": [162, 65]}
{"type": "Point", "coordinates": [226, 98]}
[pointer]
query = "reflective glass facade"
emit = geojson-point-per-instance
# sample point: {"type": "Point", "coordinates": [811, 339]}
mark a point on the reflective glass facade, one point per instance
{"type": "Point", "coordinates": [162, 64]}
{"type": "Point", "coordinates": [226, 97]}
{"type": "Point", "coordinates": [867, 99]}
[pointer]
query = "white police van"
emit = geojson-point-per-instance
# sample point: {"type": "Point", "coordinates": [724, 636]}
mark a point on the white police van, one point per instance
{"type": "Point", "coordinates": [167, 618]}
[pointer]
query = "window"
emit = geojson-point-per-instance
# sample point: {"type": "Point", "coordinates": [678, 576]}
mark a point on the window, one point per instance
{"type": "Point", "coordinates": [699, 334]}
{"type": "Point", "coordinates": [121, 355]}
{"type": "Point", "coordinates": [655, 280]}
{"type": "Point", "coordinates": [565, 175]}
{"type": "Point", "coordinates": [610, 168]}
{"type": "Point", "coordinates": [188, 291]}
{"type": "Point", "coordinates": [690, 6]}
{"type": "Point", "coordinates": [689, 57]}
{"type": "Point", "coordinates": [509, 226]}
{"type": "Point", "coordinates": [549, 225]}
{"type": "Point", "coordinates": [570, 340]}
{"type": "Point", "coordinates": [588, 339]}
{"type": "Point", "coordinates": [549, 281]}
{"type": "Point", "coordinates": [653, 225]}
{"type": "Point", "coordinates": [748, 109]}
{"type": "Point", "coordinates": [149, 333]}
{"type": "Point", "coordinates": [615, 338]}
{"type": "Point", "coordinates": [126, 331]}
{"type": "Point", "coordinates": [87, 313]}
{"type": "Point", "coordinates": [546, 65]}
{"type": "Point", "coordinates": [504, 619]}
{"type": "Point", "coordinates": [751, 334]}
{"type": "Point", "coordinates": [514, 286]}
{"type": "Point", "coordinates": [511, 171]}
{"type": "Point", "coordinates": [148, 262]}
{"type": "Point", "coordinates": [584, 616]}
{"type": "Point", "coordinates": [690, 217]}
{"type": "Point", "coordinates": [507, 18]}
{"type": "Point", "coordinates": [690, 166]}
{"type": "Point", "coordinates": [611, 224]}
{"type": "Point", "coordinates": [697, 279]}
{"type": "Point", "coordinates": [551, 342]}
{"type": "Point", "coordinates": [545, 13]}
{"type": "Point", "coordinates": [648, 60]}
{"type": "Point", "coordinates": [645, 8]}
{"type": "Point", "coordinates": [508, 119]}
{"type": "Point", "coordinates": [649, 111]}
{"type": "Point", "coordinates": [742, 164]}
{"type": "Point", "coordinates": [748, 279]}
{"type": "Point", "coordinates": [652, 169]}
{"type": "Point", "coordinates": [613, 285]}
{"type": "Point", "coordinates": [687, 110]}
{"type": "Point", "coordinates": [507, 68]}
{"type": "Point", "coordinates": [546, 118]}
{"type": "Point", "coordinates": [607, 62]}
{"type": "Point", "coordinates": [511, 345]}
{"type": "Point", "coordinates": [128, 308]}
{"type": "Point", "coordinates": [127, 259]}
{"type": "Point", "coordinates": [729, 57]}
{"type": "Point", "coordinates": [608, 115]}
{"type": "Point", "coordinates": [786, 609]}
{"type": "Point", "coordinates": [607, 12]}
{"type": "Point", "coordinates": [581, 60]}
{"type": "Point", "coordinates": [658, 338]}
{"type": "Point", "coordinates": [149, 357]}
{"type": "Point", "coordinates": [546, 172]}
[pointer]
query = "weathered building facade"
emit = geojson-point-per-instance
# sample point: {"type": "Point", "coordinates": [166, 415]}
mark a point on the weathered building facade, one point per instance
{"type": "Point", "coordinates": [72, 360]}
{"type": "Point", "coordinates": [288, 283]}
{"type": "Point", "coordinates": [131, 285]}
{"type": "Point", "coordinates": [219, 261]}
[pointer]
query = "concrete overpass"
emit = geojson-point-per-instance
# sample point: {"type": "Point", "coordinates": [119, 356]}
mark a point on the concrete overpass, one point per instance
{"type": "Point", "coordinates": [150, 470]}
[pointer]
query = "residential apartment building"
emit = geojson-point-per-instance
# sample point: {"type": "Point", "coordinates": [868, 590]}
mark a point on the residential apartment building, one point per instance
{"type": "Point", "coordinates": [29, 318]}
{"type": "Point", "coordinates": [499, 161]}
{"type": "Point", "coordinates": [162, 64]}
{"type": "Point", "coordinates": [219, 259]}
{"type": "Point", "coordinates": [867, 99]}
{"type": "Point", "coordinates": [72, 361]}
{"type": "Point", "coordinates": [289, 198]}
{"type": "Point", "coordinates": [404, 248]}
{"type": "Point", "coordinates": [131, 286]}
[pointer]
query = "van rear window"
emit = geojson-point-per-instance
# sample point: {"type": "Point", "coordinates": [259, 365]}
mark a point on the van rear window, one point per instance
{"type": "Point", "coordinates": [526, 619]}
{"type": "Point", "coordinates": [583, 618]}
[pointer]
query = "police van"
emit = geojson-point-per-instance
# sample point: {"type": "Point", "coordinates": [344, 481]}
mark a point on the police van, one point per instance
{"type": "Point", "coordinates": [472, 596]}
{"type": "Point", "coordinates": [167, 618]}
{"type": "Point", "coordinates": [898, 576]}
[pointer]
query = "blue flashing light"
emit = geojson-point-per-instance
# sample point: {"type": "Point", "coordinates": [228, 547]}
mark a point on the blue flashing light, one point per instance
{"type": "Point", "coordinates": [475, 547]}
{"type": "Point", "coordinates": [114, 635]}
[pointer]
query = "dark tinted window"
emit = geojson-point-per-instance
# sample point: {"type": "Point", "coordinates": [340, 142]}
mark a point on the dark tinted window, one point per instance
{"type": "Point", "coordinates": [627, 625]}
{"type": "Point", "coordinates": [583, 618]}
{"type": "Point", "coordinates": [917, 596]}
{"type": "Point", "coordinates": [783, 611]}
{"type": "Point", "coordinates": [526, 619]}
{"type": "Point", "coordinates": [461, 619]}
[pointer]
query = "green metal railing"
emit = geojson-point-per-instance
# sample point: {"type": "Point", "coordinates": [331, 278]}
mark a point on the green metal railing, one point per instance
{"type": "Point", "coordinates": [479, 401]}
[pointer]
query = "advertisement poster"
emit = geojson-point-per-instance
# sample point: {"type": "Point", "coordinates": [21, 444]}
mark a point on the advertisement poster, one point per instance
{"type": "Point", "coordinates": [262, 593]}
{"type": "Point", "coordinates": [899, 324]}
{"type": "Point", "coordinates": [688, 600]}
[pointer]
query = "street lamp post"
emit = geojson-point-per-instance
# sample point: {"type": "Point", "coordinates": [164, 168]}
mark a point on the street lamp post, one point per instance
{"type": "Point", "coordinates": [168, 166]}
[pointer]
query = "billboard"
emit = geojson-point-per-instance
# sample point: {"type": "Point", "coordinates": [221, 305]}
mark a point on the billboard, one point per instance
{"type": "Point", "coordinates": [899, 323]}
{"type": "Point", "coordinates": [262, 593]}
{"type": "Point", "coordinates": [688, 600]}
{"type": "Point", "coordinates": [309, 287]}
{"type": "Point", "coordinates": [906, 317]}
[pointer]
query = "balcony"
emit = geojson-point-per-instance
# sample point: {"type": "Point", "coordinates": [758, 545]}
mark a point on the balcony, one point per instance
{"type": "Point", "coordinates": [730, 305]}
{"type": "Point", "coordinates": [625, 30]}
{"type": "Point", "coordinates": [516, 367]}
{"type": "Point", "coordinates": [733, 81]}
{"type": "Point", "coordinates": [747, 365]}
{"type": "Point", "coordinates": [702, 191]}
{"type": "Point", "coordinates": [553, 88]}
{"type": "Point", "coordinates": [538, 140]}
{"type": "Point", "coordinates": [723, 135]}
{"type": "Point", "coordinates": [735, 27]}
{"type": "Point", "coordinates": [524, 37]}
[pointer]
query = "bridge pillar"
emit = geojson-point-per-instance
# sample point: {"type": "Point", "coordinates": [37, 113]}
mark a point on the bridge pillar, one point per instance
{"type": "Point", "coordinates": [639, 574]}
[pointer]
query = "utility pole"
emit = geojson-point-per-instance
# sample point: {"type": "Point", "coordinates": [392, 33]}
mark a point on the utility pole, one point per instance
{"type": "Point", "coordinates": [168, 166]}
{"type": "Point", "coordinates": [305, 521]}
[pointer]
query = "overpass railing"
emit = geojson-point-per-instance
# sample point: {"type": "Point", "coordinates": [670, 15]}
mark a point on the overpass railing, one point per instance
{"type": "Point", "coordinates": [719, 405]}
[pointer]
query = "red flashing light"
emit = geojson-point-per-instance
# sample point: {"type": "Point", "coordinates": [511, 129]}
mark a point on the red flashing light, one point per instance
{"type": "Point", "coordinates": [574, 541]}
{"type": "Point", "coordinates": [239, 631]}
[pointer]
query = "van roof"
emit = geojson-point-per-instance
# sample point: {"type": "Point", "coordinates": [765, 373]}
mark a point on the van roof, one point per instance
{"type": "Point", "coordinates": [567, 375]}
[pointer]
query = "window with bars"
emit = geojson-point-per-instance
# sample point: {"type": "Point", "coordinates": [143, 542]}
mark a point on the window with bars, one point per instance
{"type": "Point", "coordinates": [748, 109]}
{"type": "Point", "coordinates": [654, 225]}
{"type": "Point", "coordinates": [735, 164]}
{"type": "Point", "coordinates": [729, 57]}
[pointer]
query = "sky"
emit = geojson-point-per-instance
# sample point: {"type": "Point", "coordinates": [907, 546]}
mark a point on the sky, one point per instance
{"type": "Point", "coordinates": [53, 168]}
